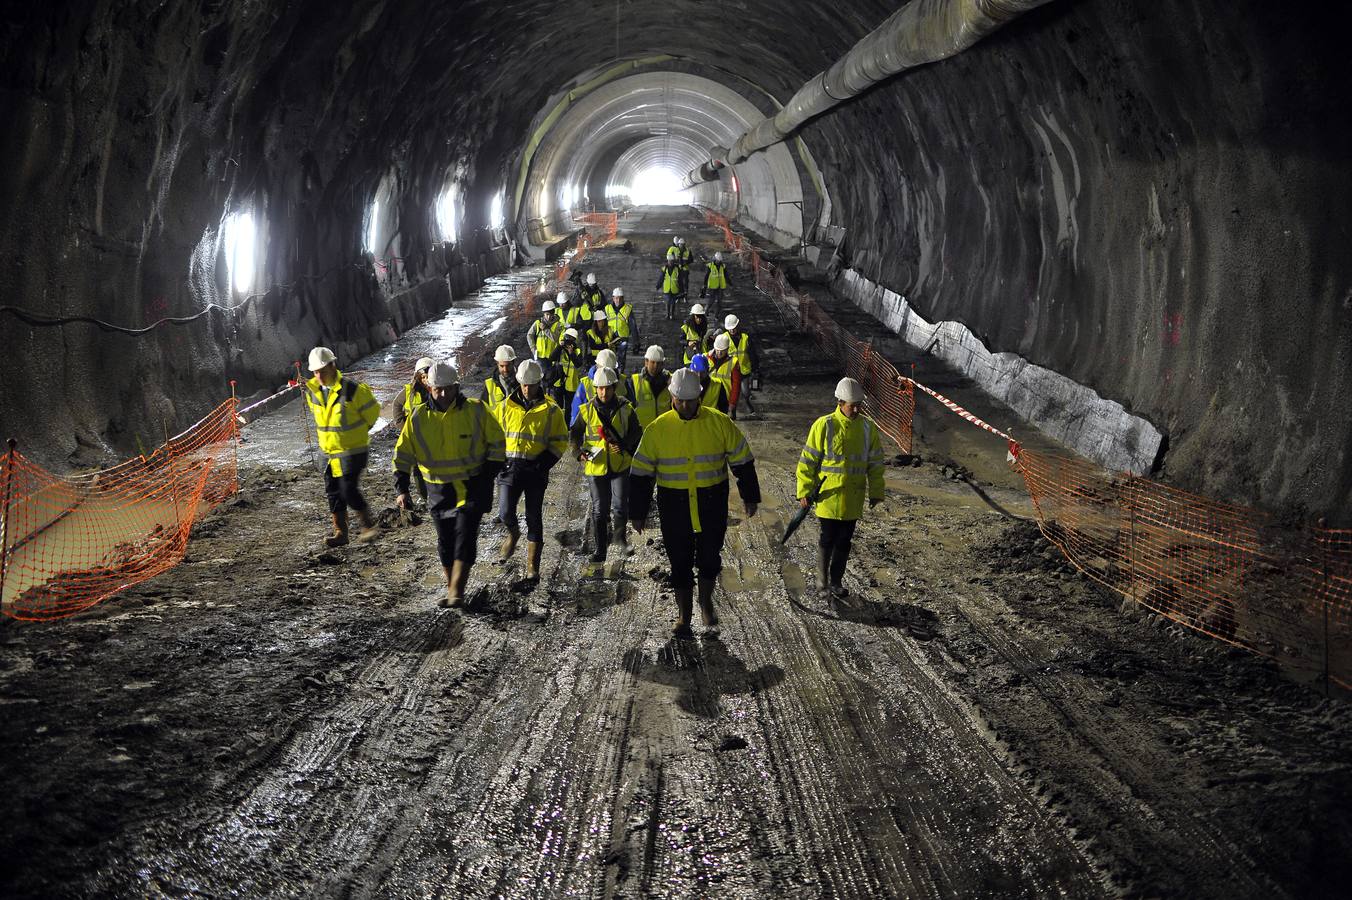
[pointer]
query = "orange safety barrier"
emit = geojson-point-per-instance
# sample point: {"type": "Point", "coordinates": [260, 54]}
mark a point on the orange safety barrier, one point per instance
{"type": "Point", "coordinates": [604, 226]}
{"type": "Point", "coordinates": [71, 541]}
{"type": "Point", "coordinates": [1222, 570]}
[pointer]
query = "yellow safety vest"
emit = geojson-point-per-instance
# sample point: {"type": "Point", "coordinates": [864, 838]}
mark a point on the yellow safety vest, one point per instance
{"type": "Point", "coordinates": [741, 350]}
{"type": "Point", "coordinates": [592, 295]}
{"type": "Point", "coordinates": [412, 399]}
{"type": "Point", "coordinates": [343, 421]}
{"type": "Point", "coordinates": [671, 278]}
{"type": "Point", "coordinates": [578, 312]}
{"type": "Point", "coordinates": [530, 432]}
{"type": "Point", "coordinates": [618, 319]}
{"type": "Point", "coordinates": [494, 395]}
{"type": "Point", "coordinates": [712, 391]}
{"type": "Point", "coordinates": [847, 456]}
{"type": "Point", "coordinates": [450, 447]}
{"type": "Point", "coordinates": [546, 336]}
{"type": "Point", "coordinates": [688, 455]}
{"type": "Point", "coordinates": [722, 373]}
{"type": "Point", "coordinates": [571, 372]}
{"type": "Point", "coordinates": [589, 389]}
{"type": "Point", "coordinates": [717, 278]}
{"type": "Point", "coordinates": [685, 255]}
{"type": "Point", "coordinates": [604, 461]}
{"type": "Point", "coordinates": [596, 342]}
{"type": "Point", "coordinates": [646, 405]}
{"type": "Point", "coordinates": [690, 334]}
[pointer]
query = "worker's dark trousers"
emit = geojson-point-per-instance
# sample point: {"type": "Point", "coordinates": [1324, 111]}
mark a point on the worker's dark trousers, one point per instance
{"type": "Point", "coordinates": [344, 491]}
{"type": "Point", "coordinates": [457, 535]}
{"type": "Point", "coordinates": [686, 548]}
{"type": "Point", "coordinates": [564, 398]}
{"type": "Point", "coordinates": [609, 500]}
{"type": "Point", "coordinates": [835, 539]}
{"type": "Point", "coordinates": [715, 302]}
{"type": "Point", "coordinates": [532, 487]}
{"type": "Point", "coordinates": [672, 300]}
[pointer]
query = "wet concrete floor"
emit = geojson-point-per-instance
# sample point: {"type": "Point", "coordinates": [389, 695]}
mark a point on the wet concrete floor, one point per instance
{"type": "Point", "coordinates": [275, 719]}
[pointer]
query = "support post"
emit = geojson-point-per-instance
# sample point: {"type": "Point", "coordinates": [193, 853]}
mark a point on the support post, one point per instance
{"type": "Point", "coordinates": [234, 419]}
{"type": "Point", "coordinates": [173, 475]}
{"type": "Point", "coordinates": [4, 516]}
{"type": "Point", "coordinates": [1324, 596]}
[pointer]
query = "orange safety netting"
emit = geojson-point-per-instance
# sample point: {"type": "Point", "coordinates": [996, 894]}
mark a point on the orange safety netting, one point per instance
{"type": "Point", "coordinates": [604, 226]}
{"type": "Point", "coordinates": [68, 542]}
{"type": "Point", "coordinates": [1226, 571]}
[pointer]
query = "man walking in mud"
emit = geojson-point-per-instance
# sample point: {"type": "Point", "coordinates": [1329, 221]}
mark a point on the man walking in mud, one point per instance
{"type": "Point", "coordinates": [459, 447]}
{"type": "Point", "coordinates": [841, 464]}
{"type": "Point", "coordinates": [687, 453]}
{"type": "Point", "coordinates": [344, 411]}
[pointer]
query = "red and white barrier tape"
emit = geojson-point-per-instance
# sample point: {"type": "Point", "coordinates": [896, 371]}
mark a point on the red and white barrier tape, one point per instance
{"type": "Point", "coordinates": [979, 423]}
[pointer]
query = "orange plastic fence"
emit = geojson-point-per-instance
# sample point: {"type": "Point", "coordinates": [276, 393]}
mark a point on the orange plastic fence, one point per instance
{"type": "Point", "coordinates": [1225, 571]}
{"type": "Point", "coordinates": [604, 226]}
{"type": "Point", "coordinates": [71, 541]}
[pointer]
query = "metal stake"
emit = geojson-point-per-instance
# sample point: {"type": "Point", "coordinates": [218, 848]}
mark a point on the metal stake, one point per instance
{"type": "Point", "coordinates": [4, 517]}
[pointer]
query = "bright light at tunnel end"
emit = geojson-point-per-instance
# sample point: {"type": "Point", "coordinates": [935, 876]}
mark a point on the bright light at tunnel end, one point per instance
{"type": "Point", "coordinates": [658, 186]}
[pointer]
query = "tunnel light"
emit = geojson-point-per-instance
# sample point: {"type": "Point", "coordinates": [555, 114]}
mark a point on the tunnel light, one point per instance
{"type": "Point", "coordinates": [496, 219]}
{"type": "Point", "coordinates": [565, 198]}
{"type": "Point", "coordinates": [445, 211]}
{"type": "Point", "coordinates": [241, 243]}
{"type": "Point", "coordinates": [658, 186]}
{"type": "Point", "coordinates": [373, 227]}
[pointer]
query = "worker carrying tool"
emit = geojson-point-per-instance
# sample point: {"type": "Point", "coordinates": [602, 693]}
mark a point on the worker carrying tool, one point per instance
{"type": "Point", "coordinates": [500, 385]}
{"type": "Point", "coordinates": [416, 393]}
{"type": "Point", "coordinates": [648, 389]}
{"type": "Point", "coordinates": [586, 388]}
{"type": "Point", "coordinates": [669, 283]}
{"type": "Point", "coordinates": [687, 453]}
{"type": "Point", "coordinates": [624, 325]}
{"type": "Point", "coordinates": [545, 332]}
{"type": "Point", "coordinates": [695, 333]}
{"type": "Point", "coordinates": [590, 294]}
{"type": "Point", "coordinates": [604, 436]}
{"type": "Point", "coordinates": [841, 464]}
{"type": "Point", "coordinates": [743, 349]}
{"type": "Point", "coordinates": [344, 410]}
{"type": "Point", "coordinates": [537, 439]}
{"type": "Point", "coordinates": [715, 283]}
{"type": "Point", "coordinates": [459, 447]}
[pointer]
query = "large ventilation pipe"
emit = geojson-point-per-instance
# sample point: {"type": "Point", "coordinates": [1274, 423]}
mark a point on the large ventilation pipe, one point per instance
{"type": "Point", "coordinates": [923, 31]}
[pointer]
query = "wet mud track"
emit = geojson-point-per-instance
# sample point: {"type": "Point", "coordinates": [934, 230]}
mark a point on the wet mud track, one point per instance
{"type": "Point", "coordinates": [274, 719]}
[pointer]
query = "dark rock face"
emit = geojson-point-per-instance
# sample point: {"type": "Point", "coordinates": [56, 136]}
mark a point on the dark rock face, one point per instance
{"type": "Point", "coordinates": [1151, 198]}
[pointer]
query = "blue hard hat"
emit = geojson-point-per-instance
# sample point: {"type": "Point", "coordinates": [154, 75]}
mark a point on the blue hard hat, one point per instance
{"type": "Point", "coordinates": [699, 363]}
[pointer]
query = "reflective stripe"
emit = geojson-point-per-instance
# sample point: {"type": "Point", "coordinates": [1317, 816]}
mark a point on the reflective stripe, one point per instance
{"type": "Point", "coordinates": [812, 452]}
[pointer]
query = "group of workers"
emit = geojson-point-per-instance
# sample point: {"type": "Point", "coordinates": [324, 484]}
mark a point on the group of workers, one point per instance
{"type": "Point", "coordinates": [672, 435]}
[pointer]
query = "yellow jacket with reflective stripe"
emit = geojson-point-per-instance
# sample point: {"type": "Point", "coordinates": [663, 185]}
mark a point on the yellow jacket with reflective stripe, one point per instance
{"type": "Point", "coordinates": [684, 255]}
{"type": "Point", "coordinates": [618, 319]}
{"type": "Point", "coordinates": [530, 432]}
{"type": "Point", "coordinates": [343, 421]}
{"type": "Point", "coordinates": [575, 313]}
{"type": "Point", "coordinates": [646, 405]}
{"type": "Point", "coordinates": [412, 399]}
{"type": "Point", "coordinates": [572, 369]}
{"type": "Point", "coordinates": [450, 447]}
{"type": "Point", "coordinates": [592, 296]}
{"type": "Point", "coordinates": [606, 462]}
{"type": "Point", "coordinates": [741, 350]}
{"type": "Point", "coordinates": [691, 454]}
{"type": "Point", "coordinates": [722, 373]}
{"type": "Point", "coordinates": [544, 337]}
{"type": "Point", "coordinates": [494, 395]}
{"type": "Point", "coordinates": [717, 279]}
{"type": "Point", "coordinates": [691, 334]}
{"type": "Point", "coordinates": [713, 391]}
{"type": "Point", "coordinates": [671, 278]}
{"type": "Point", "coordinates": [847, 455]}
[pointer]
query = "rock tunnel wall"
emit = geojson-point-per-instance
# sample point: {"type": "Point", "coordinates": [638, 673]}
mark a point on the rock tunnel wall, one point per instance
{"type": "Point", "coordinates": [1151, 198]}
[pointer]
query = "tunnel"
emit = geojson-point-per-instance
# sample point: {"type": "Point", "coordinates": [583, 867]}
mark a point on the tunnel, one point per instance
{"type": "Point", "coordinates": [1084, 262]}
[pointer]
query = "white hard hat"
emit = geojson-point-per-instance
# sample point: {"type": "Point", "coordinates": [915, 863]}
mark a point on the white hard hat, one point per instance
{"type": "Point", "coordinates": [548, 306]}
{"type": "Point", "coordinates": [321, 357]}
{"type": "Point", "coordinates": [504, 353]}
{"type": "Point", "coordinates": [423, 364]}
{"type": "Point", "coordinates": [563, 297]}
{"type": "Point", "coordinates": [680, 242]}
{"type": "Point", "coordinates": [607, 359]}
{"type": "Point", "coordinates": [618, 292]}
{"type": "Point", "coordinates": [442, 375]}
{"type": "Point", "coordinates": [571, 333]}
{"type": "Point", "coordinates": [685, 385]}
{"type": "Point", "coordinates": [605, 377]}
{"type": "Point", "coordinates": [598, 315]}
{"type": "Point", "coordinates": [723, 342]}
{"type": "Point", "coordinates": [655, 353]}
{"type": "Point", "coordinates": [730, 322]}
{"type": "Point", "coordinates": [697, 309]}
{"type": "Point", "coordinates": [591, 278]}
{"type": "Point", "coordinates": [718, 257]}
{"type": "Point", "coordinates": [529, 372]}
{"type": "Point", "coordinates": [849, 390]}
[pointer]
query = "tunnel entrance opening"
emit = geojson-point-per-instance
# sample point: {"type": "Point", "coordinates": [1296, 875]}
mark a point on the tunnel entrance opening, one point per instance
{"type": "Point", "coordinates": [658, 186]}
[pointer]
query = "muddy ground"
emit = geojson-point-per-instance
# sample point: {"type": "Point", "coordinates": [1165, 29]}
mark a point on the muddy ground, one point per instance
{"type": "Point", "coordinates": [275, 719]}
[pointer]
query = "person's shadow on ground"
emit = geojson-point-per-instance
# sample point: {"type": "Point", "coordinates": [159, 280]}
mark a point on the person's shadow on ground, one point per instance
{"type": "Point", "coordinates": [704, 671]}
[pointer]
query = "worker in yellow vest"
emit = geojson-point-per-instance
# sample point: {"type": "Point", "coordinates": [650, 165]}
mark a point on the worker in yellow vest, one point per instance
{"type": "Point", "coordinates": [685, 257]}
{"type": "Point", "coordinates": [713, 394]}
{"type": "Point", "coordinates": [573, 314]}
{"type": "Point", "coordinates": [565, 368]}
{"type": "Point", "coordinates": [586, 388]}
{"type": "Point", "coordinates": [545, 332]}
{"type": "Point", "coordinates": [415, 394]}
{"type": "Point", "coordinates": [604, 436]}
{"type": "Point", "coordinates": [648, 389]}
{"type": "Point", "coordinates": [460, 448]}
{"type": "Point", "coordinates": [695, 332]}
{"type": "Point", "coordinates": [723, 369]}
{"type": "Point", "coordinates": [590, 294]}
{"type": "Point", "coordinates": [669, 283]}
{"type": "Point", "coordinates": [599, 336]}
{"type": "Point", "coordinates": [841, 464]}
{"type": "Point", "coordinates": [715, 283]}
{"type": "Point", "coordinates": [624, 325]}
{"type": "Point", "coordinates": [537, 439]}
{"type": "Point", "coordinates": [500, 385]}
{"type": "Point", "coordinates": [743, 349]}
{"type": "Point", "coordinates": [687, 453]}
{"type": "Point", "coordinates": [344, 411]}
